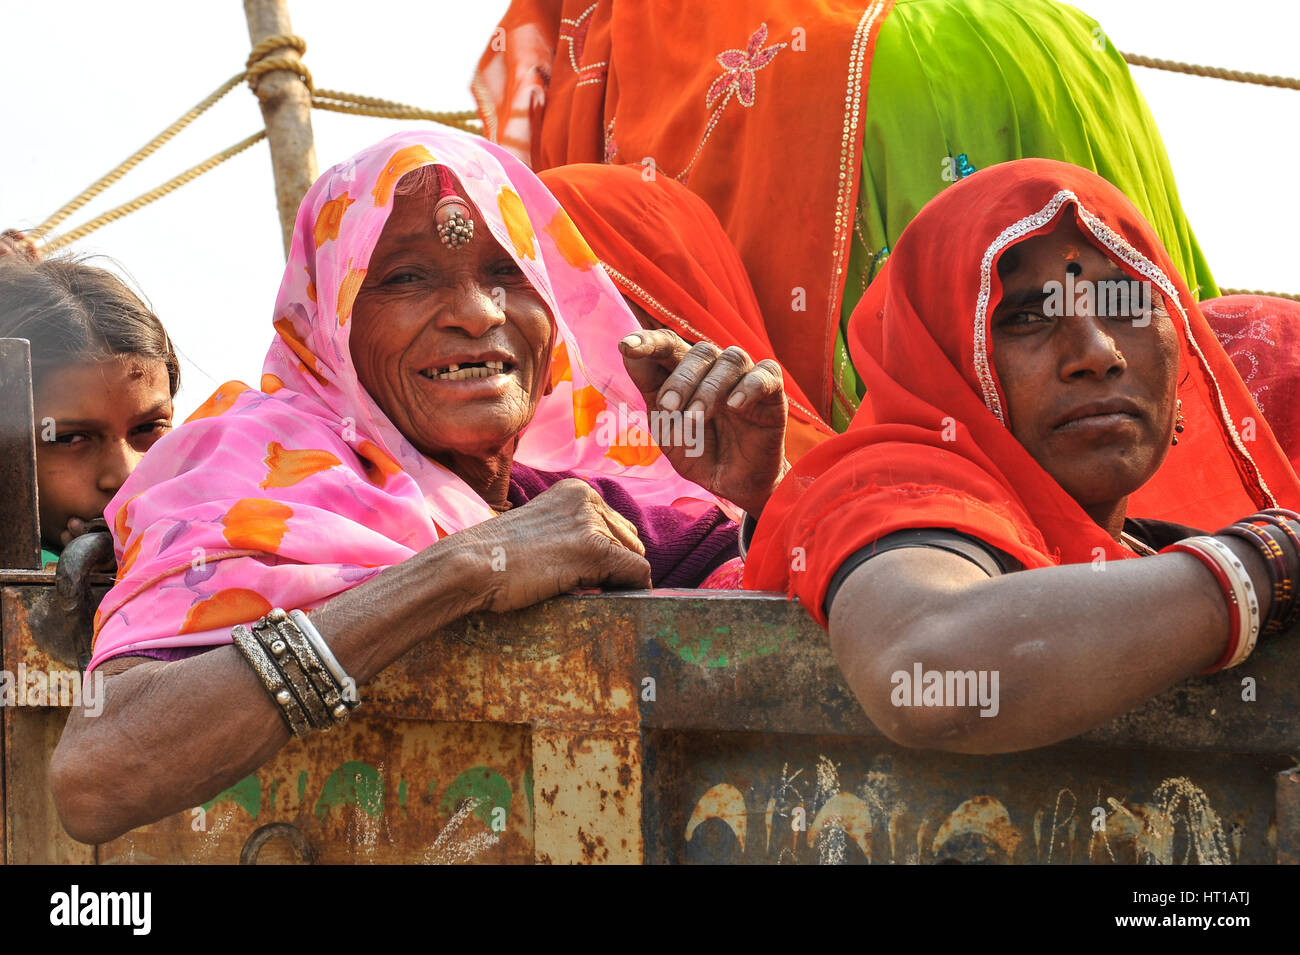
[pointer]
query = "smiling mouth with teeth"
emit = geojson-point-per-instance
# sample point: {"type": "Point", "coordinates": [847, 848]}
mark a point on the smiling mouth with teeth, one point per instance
{"type": "Point", "coordinates": [474, 369]}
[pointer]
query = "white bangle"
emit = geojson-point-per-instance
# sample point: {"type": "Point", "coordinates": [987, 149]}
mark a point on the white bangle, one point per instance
{"type": "Point", "coordinates": [1244, 590]}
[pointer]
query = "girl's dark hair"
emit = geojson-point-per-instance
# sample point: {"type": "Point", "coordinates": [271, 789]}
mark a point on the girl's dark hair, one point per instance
{"type": "Point", "coordinates": [72, 312]}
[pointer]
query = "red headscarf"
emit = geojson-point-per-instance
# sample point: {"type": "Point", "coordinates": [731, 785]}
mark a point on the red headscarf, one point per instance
{"type": "Point", "coordinates": [1261, 334]}
{"type": "Point", "coordinates": [663, 247]}
{"type": "Point", "coordinates": [921, 339]}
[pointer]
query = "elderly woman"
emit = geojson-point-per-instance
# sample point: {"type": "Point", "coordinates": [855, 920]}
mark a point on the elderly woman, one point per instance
{"type": "Point", "coordinates": [432, 438]}
{"type": "Point", "coordinates": [981, 516]}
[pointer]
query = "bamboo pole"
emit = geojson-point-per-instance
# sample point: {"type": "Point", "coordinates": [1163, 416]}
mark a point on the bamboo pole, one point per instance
{"type": "Point", "coordinates": [286, 111]}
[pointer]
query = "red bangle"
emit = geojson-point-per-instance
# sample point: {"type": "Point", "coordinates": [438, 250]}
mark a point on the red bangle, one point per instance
{"type": "Point", "coordinates": [1229, 597]}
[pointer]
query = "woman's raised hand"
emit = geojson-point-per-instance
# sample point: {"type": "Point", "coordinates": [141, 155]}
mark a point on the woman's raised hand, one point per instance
{"type": "Point", "coordinates": [565, 538]}
{"type": "Point", "coordinates": [738, 407]}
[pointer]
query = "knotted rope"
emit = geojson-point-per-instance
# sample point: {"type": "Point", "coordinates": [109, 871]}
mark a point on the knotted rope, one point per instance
{"type": "Point", "coordinates": [260, 62]}
{"type": "Point", "coordinates": [290, 48]}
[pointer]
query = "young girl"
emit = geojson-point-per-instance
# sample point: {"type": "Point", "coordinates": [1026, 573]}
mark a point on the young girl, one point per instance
{"type": "Point", "coordinates": [104, 374]}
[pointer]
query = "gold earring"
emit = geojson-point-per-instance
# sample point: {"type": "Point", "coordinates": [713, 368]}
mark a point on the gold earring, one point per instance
{"type": "Point", "coordinates": [1179, 422]}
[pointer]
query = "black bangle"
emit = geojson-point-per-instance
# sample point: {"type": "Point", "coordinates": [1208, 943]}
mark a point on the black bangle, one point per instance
{"type": "Point", "coordinates": [1287, 525]}
{"type": "Point", "coordinates": [1278, 571]}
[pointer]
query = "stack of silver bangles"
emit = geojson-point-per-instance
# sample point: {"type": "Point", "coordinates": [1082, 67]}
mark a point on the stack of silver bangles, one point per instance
{"type": "Point", "coordinates": [299, 670]}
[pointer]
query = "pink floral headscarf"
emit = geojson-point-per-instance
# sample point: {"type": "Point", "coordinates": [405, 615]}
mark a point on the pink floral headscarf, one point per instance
{"type": "Point", "coordinates": [286, 496]}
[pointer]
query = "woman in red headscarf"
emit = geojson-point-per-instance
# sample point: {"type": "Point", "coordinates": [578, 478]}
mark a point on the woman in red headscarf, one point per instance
{"type": "Point", "coordinates": [669, 256]}
{"type": "Point", "coordinates": [1022, 413]}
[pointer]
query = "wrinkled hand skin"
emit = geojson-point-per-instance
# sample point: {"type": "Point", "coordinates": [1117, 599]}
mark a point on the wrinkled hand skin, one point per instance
{"type": "Point", "coordinates": [565, 538]}
{"type": "Point", "coordinates": [742, 453]}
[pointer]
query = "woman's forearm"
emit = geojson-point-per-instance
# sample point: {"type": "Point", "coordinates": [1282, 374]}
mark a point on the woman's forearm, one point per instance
{"type": "Point", "coordinates": [1071, 647]}
{"type": "Point", "coordinates": [172, 735]}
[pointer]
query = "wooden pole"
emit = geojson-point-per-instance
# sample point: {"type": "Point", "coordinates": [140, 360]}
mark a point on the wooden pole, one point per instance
{"type": "Point", "coordinates": [286, 110]}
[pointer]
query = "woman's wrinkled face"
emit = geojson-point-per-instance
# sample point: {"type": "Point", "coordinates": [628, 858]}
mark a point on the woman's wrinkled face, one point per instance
{"type": "Point", "coordinates": [1090, 393]}
{"type": "Point", "coordinates": [94, 422]}
{"type": "Point", "coordinates": [452, 344]}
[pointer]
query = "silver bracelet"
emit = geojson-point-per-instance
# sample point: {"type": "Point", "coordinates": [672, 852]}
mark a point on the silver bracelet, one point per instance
{"type": "Point", "coordinates": [745, 534]}
{"type": "Point", "coordinates": [329, 707]}
{"type": "Point", "coordinates": [267, 671]}
{"type": "Point", "coordinates": [299, 670]}
{"type": "Point", "coordinates": [300, 667]}
{"type": "Point", "coordinates": [347, 686]}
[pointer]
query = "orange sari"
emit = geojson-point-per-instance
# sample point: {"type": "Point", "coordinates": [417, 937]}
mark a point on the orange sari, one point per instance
{"type": "Point", "coordinates": [781, 84]}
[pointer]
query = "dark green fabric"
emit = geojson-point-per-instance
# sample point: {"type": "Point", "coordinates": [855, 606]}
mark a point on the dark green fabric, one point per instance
{"type": "Point", "coordinates": [997, 80]}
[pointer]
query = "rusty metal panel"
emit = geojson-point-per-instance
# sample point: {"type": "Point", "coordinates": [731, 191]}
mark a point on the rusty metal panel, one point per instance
{"type": "Point", "coordinates": [20, 539]}
{"type": "Point", "coordinates": [768, 798]}
{"type": "Point", "coordinates": [688, 727]}
{"type": "Point", "coordinates": [1287, 801]}
{"type": "Point", "coordinates": [738, 661]}
{"type": "Point", "coordinates": [373, 791]}
{"type": "Point", "coordinates": [35, 834]}
{"type": "Point", "coordinates": [53, 624]}
{"type": "Point", "coordinates": [4, 811]}
{"type": "Point", "coordinates": [587, 790]}
{"type": "Point", "coordinates": [25, 613]}
{"type": "Point", "coordinates": [564, 663]}
{"type": "Point", "coordinates": [734, 661]}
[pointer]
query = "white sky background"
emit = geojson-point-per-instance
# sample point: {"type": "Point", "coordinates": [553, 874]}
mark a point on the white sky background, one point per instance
{"type": "Point", "coordinates": [88, 82]}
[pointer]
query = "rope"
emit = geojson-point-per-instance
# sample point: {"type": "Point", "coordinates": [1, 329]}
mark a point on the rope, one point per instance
{"type": "Point", "coordinates": [1236, 76]}
{"type": "Point", "coordinates": [139, 202]}
{"type": "Point", "coordinates": [135, 158]}
{"type": "Point", "coordinates": [261, 61]}
{"type": "Point", "coordinates": [1246, 291]}
{"type": "Point", "coordinates": [335, 102]}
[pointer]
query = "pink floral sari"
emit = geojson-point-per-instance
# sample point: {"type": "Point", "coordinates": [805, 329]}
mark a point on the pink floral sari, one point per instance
{"type": "Point", "coordinates": [288, 495]}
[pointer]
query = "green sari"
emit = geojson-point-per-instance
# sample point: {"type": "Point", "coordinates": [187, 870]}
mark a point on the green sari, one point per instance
{"type": "Point", "coordinates": [1071, 99]}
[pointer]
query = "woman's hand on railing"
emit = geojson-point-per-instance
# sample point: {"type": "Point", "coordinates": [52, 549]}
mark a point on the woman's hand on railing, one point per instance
{"type": "Point", "coordinates": [565, 538]}
{"type": "Point", "coordinates": [215, 721]}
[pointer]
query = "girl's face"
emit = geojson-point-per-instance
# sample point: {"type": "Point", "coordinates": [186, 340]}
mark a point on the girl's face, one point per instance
{"type": "Point", "coordinates": [94, 422]}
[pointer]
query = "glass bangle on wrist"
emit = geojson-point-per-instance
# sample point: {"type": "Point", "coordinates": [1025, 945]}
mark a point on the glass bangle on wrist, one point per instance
{"type": "Point", "coordinates": [1238, 593]}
